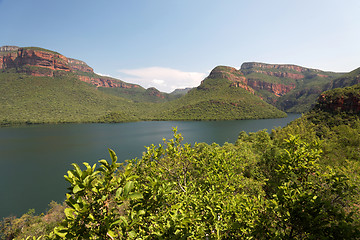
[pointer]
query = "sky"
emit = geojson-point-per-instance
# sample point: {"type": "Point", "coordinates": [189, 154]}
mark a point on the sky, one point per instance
{"type": "Point", "coordinates": [171, 44]}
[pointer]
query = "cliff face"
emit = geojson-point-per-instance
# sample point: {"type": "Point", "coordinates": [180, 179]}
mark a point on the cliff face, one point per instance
{"type": "Point", "coordinates": [36, 58]}
{"type": "Point", "coordinates": [42, 62]}
{"type": "Point", "coordinates": [286, 67]}
{"type": "Point", "coordinates": [154, 92]}
{"type": "Point", "coordinates": [346, 103]}
{"type": "Point", "coordinates": [107, 82]}
{"type": "Point", "coordinates": [277, 89]}
{"type": "Point", "coordinates": [240, 79]}
{"type": "Point", "coordinates": [79, 65]}
{"type": "Point", "coordinates": [289, 87]}
{"type": "Point", "coordinates": [235, 76]}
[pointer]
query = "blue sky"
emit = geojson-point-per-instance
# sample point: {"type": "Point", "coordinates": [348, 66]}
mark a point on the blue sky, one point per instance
{"type": "Point", "coordinates": [172, 44]}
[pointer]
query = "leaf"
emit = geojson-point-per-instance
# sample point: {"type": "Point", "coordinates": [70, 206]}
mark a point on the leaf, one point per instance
{"type": "Point", "coordinates": [104, 163]}
{"type": "Point", "coordinates": [60, 231]}
{"type": "Point", "coordinates": [78, 170]}
{"type": "Point", "coordinates": [77, 189]}
{"type": "Point", "coordinates": [121, 220]}
{"type": "Point", "coordinates": [134, 196]}
{"type": "Point", "coordinates": [132, 234]}
{"type": "Point", "coordinates": [113, 156]}
{"type": "Point", "coordinates": [119, 192]}
{"type": "Point", "coordinates": [69, 213]}
{"type": "Point", "coordinates": [111, 234]}
{"type": "Point", "coordinates": [128, 187]}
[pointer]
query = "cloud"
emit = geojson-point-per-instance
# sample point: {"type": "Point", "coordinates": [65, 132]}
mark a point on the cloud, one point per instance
{"type": "Point", "coordinates": [164, 79]}
{"type": "Point", "coordinates": [101, 74]}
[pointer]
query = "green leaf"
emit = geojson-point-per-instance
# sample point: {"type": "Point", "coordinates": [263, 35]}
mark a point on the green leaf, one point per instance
{"type": "Point", "coordinates": [128, 187]}
{"type": "Point", "coordinates": [61, 231]}
{"type": "Point", "coordinates": [77, 189]}
{"type": "Point", "coordinates": [132, 234]}
{"type": "Point", "coordinates": [69, 213]}
{"type": "Point", "coordinates": [104, 163]}
{"type": "Point", "coordinates": [119, 192]}
{"type": "Point", "coordinates": [111, 234]}
{"type": "Point", "coordinates": [113, 156]}
{"type": "Point", "coordinates": [134, 196]}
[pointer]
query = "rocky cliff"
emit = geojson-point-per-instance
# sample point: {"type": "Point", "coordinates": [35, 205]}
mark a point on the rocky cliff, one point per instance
{"type": "Point", "coordinates": [283, 85]}
{"type": "Point", "coordinates": [242, 78]}
{"type": "Point", "coordinates": [43, 62]}
{"type": "Point", "coordinates": [79, 65]}
{"type": "Point", "coordinates": [19, 57]}
{"type": "Point", "coordinates": [340, 100]}
{"type": "Point", "coordinates": [154, 92]}
{"type": "Point", "coordinates": [235, 76]}
{"type": "Point", "coordinates": [284, 67]}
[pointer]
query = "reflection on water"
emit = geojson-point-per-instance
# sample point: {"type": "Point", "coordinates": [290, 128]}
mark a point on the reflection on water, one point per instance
{"type": "Point", "coordinates": [34, 159]}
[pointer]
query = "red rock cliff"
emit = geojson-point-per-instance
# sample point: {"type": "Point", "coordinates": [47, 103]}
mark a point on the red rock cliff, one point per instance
{"type": "Point", "coordinates": [42, 62]}
{"type": "Point", "coordinates": [235, 76]}
{"type": "Point", "coordinates": [37, 58]}
{"type": "Point", "coordinates": [79, 65]}
{"type": "Point", "coordinates": [276, 88]}
{"type": "Point", "coordinates": [350, 103]}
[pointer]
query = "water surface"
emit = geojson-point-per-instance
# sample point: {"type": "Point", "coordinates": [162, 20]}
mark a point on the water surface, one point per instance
{"type": "Point", "coordinates": [34, 159]}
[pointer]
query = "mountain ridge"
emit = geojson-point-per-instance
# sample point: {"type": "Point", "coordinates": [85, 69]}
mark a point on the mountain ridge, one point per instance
{"type": "Point", "coordinates": [255, 90]}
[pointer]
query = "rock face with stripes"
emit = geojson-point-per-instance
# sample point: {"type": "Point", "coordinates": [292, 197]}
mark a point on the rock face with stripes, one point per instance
{"type": "Point", "coordinates": [43, 62]}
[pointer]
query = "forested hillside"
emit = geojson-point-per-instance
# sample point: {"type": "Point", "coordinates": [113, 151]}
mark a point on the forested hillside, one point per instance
{"type": "Point", "coordinates": [299, 182]}
{"type": "Point", "coordinates": [43, 86]}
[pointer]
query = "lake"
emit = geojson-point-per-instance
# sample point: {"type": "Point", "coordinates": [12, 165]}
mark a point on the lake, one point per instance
{"type": "Point", "coordinates": [34, 159]}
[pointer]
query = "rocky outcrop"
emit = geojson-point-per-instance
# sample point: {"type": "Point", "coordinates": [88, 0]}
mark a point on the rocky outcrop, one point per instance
{"type": "Point", "coordinates": [36, 58]}
{"type": "Point", "coordinates": [106, 82]}
{"type": "Point", "coordinates": [154, 92]}
{"type": "Point", "coordinates": [5, 49]}
{"type": "Point", "coordinates": [79, 65]}
{"type": "Point", "coordinates": [42, 62]}
{"type": "Point", "coordinates": [239, 79]}
{"type": "Point", "coordinates": [277, 89]}
{"type": "Point", "coordinates": [349, 103]}
{"type": "Point", "coordinates": [279, 74]}
{"type": "Point", "coordinates": [286, 67]}
{"type": "Point", "coordinates": [235, 76]}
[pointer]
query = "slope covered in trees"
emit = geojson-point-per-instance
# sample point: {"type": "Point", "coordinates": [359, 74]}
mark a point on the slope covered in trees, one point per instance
{"type": "Point", "coordinates": [299, 182]}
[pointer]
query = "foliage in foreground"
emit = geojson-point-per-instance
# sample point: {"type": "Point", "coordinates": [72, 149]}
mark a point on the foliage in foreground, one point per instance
{"type": "Point", "coordinates": [262, 187]}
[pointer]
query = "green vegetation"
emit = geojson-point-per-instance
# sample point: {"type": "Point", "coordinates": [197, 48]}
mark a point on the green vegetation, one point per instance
{"type": "Point", "coordinates": [28, 99]}
{"type": "Point", "coordinates": [141, 95]}
{"type": "Point", "coordinates": [214, 99]}
{"type": "Point", "coordinates": [299, 182]}
{"type": "Point", "coordinates": [65, 99]}
{"type": "Point", "coordinates": [304, 97]}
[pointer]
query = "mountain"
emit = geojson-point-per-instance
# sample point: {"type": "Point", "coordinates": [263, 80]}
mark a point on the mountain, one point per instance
{"type": "Point", "coordinates": [219, 97]}
{"type": "Point", "coordinates": [290, 88]}
{"type": "Point", "coordinates": [40, 85]}
{"type": "Point", "coordinates": [181, 91]}
{"type": "Point", "coordinates": [42, 62]}
{"type": "Point", "coordinates": [337, 100]}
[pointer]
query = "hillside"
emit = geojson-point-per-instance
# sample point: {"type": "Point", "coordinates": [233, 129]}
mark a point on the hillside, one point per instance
{"type": "Point", "coordinates": [40, 85]}
{"type": "Point", "coordinates": [299, 182]}
{"type": "Point", "coordinates": [25, 98]}
{"type": "Point", "coordinates": [256, 90]}
{"type": "Point", "coordinates": [219, 97]}
{"type": "Point", "coordinates": [290, 88]}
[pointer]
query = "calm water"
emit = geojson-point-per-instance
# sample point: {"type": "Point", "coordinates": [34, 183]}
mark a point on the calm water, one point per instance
{"type": "Point", "coordinates": [34, 159]}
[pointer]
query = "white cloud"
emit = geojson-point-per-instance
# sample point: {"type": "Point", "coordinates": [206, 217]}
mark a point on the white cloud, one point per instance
{"type": "Point", "coordinates": [105, 75]}
{"type": "Point", "coordinates": [164, 79]}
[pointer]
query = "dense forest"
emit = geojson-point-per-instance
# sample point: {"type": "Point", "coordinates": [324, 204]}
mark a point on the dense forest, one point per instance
{"type": "Point", "coordinates": [299, 182]}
